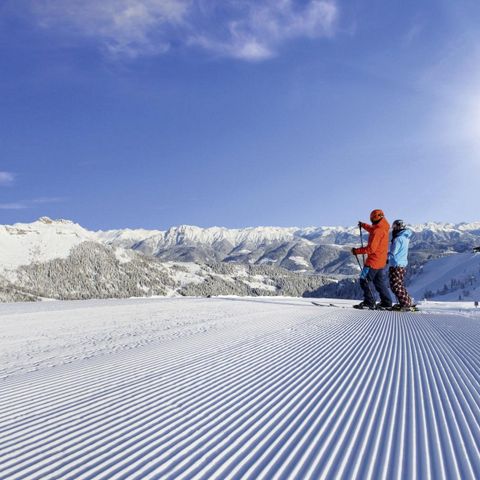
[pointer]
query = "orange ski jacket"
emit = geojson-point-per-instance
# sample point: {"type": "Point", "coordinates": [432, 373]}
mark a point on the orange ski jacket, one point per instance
{"type": "Point", "coordinates": [377, 246]}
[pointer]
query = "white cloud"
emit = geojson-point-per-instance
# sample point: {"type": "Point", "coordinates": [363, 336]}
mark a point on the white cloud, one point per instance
{"type": "Point", "coordinates": [248, 29]}
{"type": "Point", "coordinates": [21, 205]}
{"type": "Point", "coordinates": [123, 27]}
{"type": "Point", "coordinates": [12, 206]}
{"type": "Point", "coordinates": [259, 28]}
{"type": "Point", "coordinates": [6, 178]}
{"type": "Point", "coordinates": [43, 200]}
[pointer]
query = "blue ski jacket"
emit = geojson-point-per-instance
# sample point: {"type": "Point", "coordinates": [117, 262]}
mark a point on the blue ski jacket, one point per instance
{"type": "Point", "coordinates": [397, 257]}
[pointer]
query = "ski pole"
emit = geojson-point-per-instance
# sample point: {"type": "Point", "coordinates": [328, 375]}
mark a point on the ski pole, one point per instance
{"type": "Point", "coordinates": [361, 242]}
{"type": "Point", "coordinates": [366, 280]}
{"type": "Point", "coordinates": [358, 261]}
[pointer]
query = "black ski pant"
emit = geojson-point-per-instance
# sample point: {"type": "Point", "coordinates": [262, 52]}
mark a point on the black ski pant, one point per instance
{"type": "Point", "coordinates": [371, 277]}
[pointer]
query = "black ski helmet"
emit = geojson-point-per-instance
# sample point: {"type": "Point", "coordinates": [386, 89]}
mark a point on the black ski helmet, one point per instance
{"type": "Point", "coordinates": [399, 225]}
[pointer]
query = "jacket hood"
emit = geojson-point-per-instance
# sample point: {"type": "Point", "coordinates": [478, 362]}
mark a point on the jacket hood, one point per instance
{"type": "Point", "coordinates": [383, 224]}
{"type": "Point", "coordinates": [405, 233]}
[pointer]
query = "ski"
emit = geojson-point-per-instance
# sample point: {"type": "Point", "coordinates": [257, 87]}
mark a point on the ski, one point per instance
{"type": "Point", "coordinates": [318, 304]}
{"type": "Point", "coordinates": [413, 308]}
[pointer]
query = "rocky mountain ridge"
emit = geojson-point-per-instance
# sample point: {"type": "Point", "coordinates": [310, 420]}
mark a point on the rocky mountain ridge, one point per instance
{"type": "Point", "coordinates": [312, 249]}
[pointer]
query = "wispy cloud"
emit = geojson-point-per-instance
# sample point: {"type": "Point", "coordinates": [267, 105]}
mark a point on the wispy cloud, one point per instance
{"type": "Point", "coordinates": [414, 31]}
{"type": "Point", "coordinates": [24, 204]}
{"type": "Point", "coordinates": [44, 200]}
{"type": "Point", "coordinates": [248, 29]}
{"type": "Point", "coordinates": [13, 206]}
{"type": "Point", "coordinates": [6, 178]}
{"type": "Point", "coordinates": [121, 27]}
{"type": "Point", "coordinates": [255, 30]}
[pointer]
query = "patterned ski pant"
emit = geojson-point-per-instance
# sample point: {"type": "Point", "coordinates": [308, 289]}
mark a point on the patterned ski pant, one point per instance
{"type": "Point", "coordinates": [396, 276]}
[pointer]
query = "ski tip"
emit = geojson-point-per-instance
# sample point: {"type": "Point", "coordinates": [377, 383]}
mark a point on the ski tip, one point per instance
{"type": "Point", "coordinates": [331, 305]}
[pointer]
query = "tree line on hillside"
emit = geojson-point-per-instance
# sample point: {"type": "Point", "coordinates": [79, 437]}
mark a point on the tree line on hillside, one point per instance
{"type": "Point", "coordinates": [94, 271]}
{"type": "Point", "coordinates": [234, 279]}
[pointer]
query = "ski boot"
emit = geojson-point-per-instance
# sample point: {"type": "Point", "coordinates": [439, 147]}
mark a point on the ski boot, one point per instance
{"type": "Point", "coordinates": [381, 306]}
{"type": "Point", "coordinates": [405, 308]}
{"type": "Point", "coordinates": [364, 306]}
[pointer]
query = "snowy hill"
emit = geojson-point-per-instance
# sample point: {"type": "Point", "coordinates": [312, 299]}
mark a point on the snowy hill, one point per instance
{"type": "Point", "coordinates": [454, 277]}
{"type": "Point", "coordinates": [40, 241]}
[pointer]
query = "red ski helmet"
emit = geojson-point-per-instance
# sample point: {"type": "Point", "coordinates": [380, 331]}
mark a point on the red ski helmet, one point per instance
{"type": "Point", "coordinates": [376, 215]}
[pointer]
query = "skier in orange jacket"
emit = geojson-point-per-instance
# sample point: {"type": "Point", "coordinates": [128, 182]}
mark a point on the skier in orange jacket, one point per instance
{"type": "Point", "coordinates": [373, 271]}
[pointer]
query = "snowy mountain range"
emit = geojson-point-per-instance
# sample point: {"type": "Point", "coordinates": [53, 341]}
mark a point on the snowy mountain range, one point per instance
{"type": "Point", "coordinates": [60, 259]}
{"type": "Point", "coordinates": [314, 249]}
{"type": "Point", "coordinates": [49, 256]}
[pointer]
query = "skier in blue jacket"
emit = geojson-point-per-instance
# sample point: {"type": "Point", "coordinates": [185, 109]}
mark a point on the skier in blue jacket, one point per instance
{"type": "Point", "coordinates": [398, 261]}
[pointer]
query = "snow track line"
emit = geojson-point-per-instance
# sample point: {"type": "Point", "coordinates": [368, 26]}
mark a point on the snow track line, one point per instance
{"type": "Point", "coordinates": [103, 372]}
{"type": "Point", "coordinates": [61, 428]}
{"type": "Point", "coordinates": [267, 407]}
{"type": "Point", "coordinates": [285, 393]}
{"type": "Point", "coordinates": [115, 378]}
{"type": "Point", "coordinates": [311, 449]}
{"type": "Point", "coordinates": [454, 413]}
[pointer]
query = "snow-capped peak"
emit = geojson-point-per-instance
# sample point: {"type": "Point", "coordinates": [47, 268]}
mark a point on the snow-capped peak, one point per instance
{"type": "Point", "coordinates": [40, 241]}
{"type": "Point", "coordinates": [49, 221]}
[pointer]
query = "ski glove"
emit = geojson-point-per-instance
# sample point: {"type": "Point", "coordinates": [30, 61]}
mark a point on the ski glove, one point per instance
{"type": "Point", "coordinates": [364, 273]}
{"type": "Point", "coordinates": [354, 251]}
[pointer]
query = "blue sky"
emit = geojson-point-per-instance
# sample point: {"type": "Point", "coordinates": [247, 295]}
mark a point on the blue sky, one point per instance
{"type": "Point", "coordinates": [152, 113]}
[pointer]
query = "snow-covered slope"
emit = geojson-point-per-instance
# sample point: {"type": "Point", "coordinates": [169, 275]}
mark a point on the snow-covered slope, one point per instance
{"type": "Point", "coordinates": [454, 277]}
{"type": "Point", "coordinates": [93, 270]}
{"type": "Point", "coordinates": [126, 238]}
{"type": "Point", "coordinates": [40, 241]}
{"type": "Point", "coordinates": [236, 389]}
